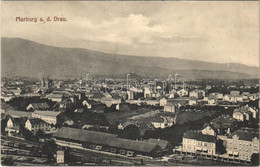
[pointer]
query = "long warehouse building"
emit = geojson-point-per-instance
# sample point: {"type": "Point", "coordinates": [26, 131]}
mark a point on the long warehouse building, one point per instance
{"type": "Point", "coordinates": [79, 138]}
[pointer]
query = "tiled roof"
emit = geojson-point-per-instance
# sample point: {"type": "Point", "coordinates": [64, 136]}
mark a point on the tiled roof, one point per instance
{"type": "Point", "coordinates": [199, 137]}
{"type": "Point", "coordinates": [211, 97]}
{"type": "Point", "coordinates": [244, 135]}
{"type": "Point", "coordinates": [85, 135]}
{"type": "Point", "coordinates": [15, 90]}
{"type": "Point", "coordinates": [103, 139]}
{"type": "Point", "coordinates": [141, 146]}
{"type": "Point", "coordinates": [37, 121]}
{"type": "Point", "coordinates": [19, 121]}
{"type": "Point", "coordinates": [47, 113]}
{"type": "Point", "coordinates": [193, 98]}
{"type": "Point", "coordinates": [31, 95]}
{"type": "Point", "coordinates": [54, 96]}
{"type": "Point", "coordinates": [211, 126]}
{"type": "Point", "coordinates": [169, 104]}
{"type": "Point", "coordinates": [234, 91]}
{"type": "Point", "coordinates": [197, 90]}
{"type": "Point", "coordinates": [40, 106]}
{"type": "Point", "coordinates": [223, 121]}
{"type": "Point", "coordinates": [60, 152]}
{"type": "Point", "coordinates": [18, 113]}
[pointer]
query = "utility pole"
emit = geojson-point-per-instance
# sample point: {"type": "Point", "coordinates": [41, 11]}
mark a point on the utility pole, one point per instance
{"type": "Point", "coordinates": [175, 78]}
{"type": "Point", "coordinates": [127, 80]}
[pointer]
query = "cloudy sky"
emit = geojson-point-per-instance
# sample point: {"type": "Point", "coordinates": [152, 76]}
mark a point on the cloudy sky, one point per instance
{"type": "Point", "coordinates": [222, 32]}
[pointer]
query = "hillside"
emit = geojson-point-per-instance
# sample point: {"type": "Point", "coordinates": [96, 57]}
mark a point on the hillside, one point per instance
{"type": "Point", "coordinates": [26, 58]}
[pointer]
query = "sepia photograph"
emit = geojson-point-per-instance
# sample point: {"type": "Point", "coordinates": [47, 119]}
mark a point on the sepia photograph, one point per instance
{"type": "Point", "coordinates": [130, 83]}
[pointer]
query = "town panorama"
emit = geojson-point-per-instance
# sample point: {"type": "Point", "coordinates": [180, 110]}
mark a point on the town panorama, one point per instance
{"type": "Point", "coordinates": [130, 83]}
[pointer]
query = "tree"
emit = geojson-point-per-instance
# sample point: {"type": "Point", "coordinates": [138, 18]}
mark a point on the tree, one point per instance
{"type": "Point", "coordinates": [113, 129]}
{"type": "Point", "coordinates": [130, 132]}
{"type": "Point", "coordinates": [3, 125]}
{"type": "Point", "coordinates": [221, 149]}
{"type": "Point", "coordinates": [26, 133]}
{"type": "Point", "coordinates": [40, 133]}
{"type": "Point", "coordinates": [69, 157]}
{"type": "Point", "coordinates": [255, 159]}
{"type": "Point", "coordinates": [49, 148]}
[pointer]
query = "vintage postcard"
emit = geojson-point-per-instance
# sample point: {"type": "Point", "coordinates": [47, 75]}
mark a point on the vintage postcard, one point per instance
{"type": "Point", "coordinates": [130, 83]}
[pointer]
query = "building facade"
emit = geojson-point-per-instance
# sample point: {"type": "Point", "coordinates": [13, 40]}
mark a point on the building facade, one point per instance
{"type": "Point", "coordinates": [48, 116]}
{"type": "Point", "coordinates": [243, 144]}
{"type": "Point", "coordinates": [195, 142]}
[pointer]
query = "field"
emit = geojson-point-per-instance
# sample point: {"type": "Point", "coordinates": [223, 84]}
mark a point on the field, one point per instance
{"type": "Point", "coordinates": [121, 116]}
{"type": "Point", "coordinates": [192, 115]}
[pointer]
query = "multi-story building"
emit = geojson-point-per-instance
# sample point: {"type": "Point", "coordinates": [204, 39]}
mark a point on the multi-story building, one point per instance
{"type": "Point", "coordinates": [224, 125]}
{"type": "Point", "coordinates": [60, 157]}
{"type": "Point", "coordinates": [12, 126]}
{"type": "Point", "coordinates": [99, 141]}
{"type": "Point", "coordinates": [243, 114]}
{"type": "Point", "coordinates": [55, 97]}
{"type": "Point", "coordinates": [234, 93]}
{"type": "Point", "coordinates": [182, 92]}
{"type": "Point", "coordinates": [193, 101]}
{"type": "Point", "coordinates": [48, 116]}
{"type": "Point", "coordinates": [38, 106]}
{"type": "Point", "coordinates": [212, 100]}
{"type": "Point", "coordinates": [169, 107]}
{"type": "Point", "coordinates": [199, 94]}
{"type": "Point", "coordinates": [234, 98]}
{"type": "Point", "coordinates": [147, 92]}
{"type": "Point", "coordinates": [162, 122]}
{"type": "Point", "coordinates": [243, 144]}
{"type": "Point", "coordinates": [35, 124]}
{"type": "Point", "coordinates": [217, 95]}
{"type": "Point", "coordinates": [209, 129]}
{"type": "Point", "coordinates": [195, 142]}
{"type": "Point", "coordinates": [163, 102]}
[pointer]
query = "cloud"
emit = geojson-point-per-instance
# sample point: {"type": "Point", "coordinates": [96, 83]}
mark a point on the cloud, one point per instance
{"type": "Point", "coordinates": [130, 30]}
{"type": "Point", "coordinates": [124, 30]}
{"type": "Point", "coordinates": [211, 31]}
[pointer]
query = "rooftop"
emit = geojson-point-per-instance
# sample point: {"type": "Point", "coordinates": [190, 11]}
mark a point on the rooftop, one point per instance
{"type": "Point", "coordinates": [37, 121]}
{"type": "Point", "coordinates": [47, 113]}
{"type": "Point", "coordinates": [15, 113]}
{"type": "Point", "coordinates": [103, 139]}
{"type": "Point", "coordinates": [40, 106]}
{"type": "Point", "coordinates": [245, 135]}
{"type": "Point", "coordinates": [199, 137]}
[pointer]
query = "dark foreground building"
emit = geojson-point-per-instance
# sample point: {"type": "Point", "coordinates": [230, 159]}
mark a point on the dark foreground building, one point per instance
{"type": "Point", "coordinates": [80, 139]}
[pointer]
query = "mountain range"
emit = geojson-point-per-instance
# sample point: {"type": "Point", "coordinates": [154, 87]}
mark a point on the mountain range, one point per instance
{"type": "Point", "coordinates": [20, 57]}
